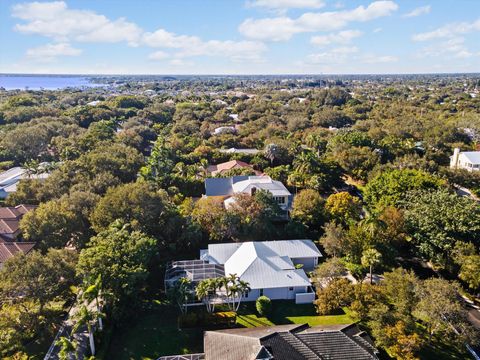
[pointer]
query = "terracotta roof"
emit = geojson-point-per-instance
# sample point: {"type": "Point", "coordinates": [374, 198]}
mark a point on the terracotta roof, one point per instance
{"type": "Point", "coordinates": [10, 218]}
{"type": "Point", "coordinates": [229, 165]}
{"type": "Point", "coordinates": [9, 226]}
{"type": "Point", "coordinates": [10, 249]}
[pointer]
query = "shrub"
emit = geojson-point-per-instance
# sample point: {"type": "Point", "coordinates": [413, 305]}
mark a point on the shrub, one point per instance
{"type": "Point", "coordinates": [263, 305]}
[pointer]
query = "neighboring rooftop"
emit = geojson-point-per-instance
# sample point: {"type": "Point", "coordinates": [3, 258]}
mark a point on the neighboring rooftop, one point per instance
{"type": "Point", "coordinates": [240, 151]}
{"type": "Point", "coordinates": [472, 156]}
{"type": "Point", "coordinates": [10, 221]}
{"type": "Point", "coordinates": [290, 342]}
{"type": "Point", "coordinates": [229, 165]}
{"type": "Point", "coordinates": [10, 249]}
{"type": "Point", "coordinates": [9, 179]}
{"type": "Point", "coordinates": [244, 184]}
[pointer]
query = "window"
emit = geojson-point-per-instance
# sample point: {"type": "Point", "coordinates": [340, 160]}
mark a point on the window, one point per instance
{"type": "Point", "coordinates": [279, 199]}
{"type": "Point", "coordinates": [290, 289]}
{"type": "Point", "coordinates": [261, 292]}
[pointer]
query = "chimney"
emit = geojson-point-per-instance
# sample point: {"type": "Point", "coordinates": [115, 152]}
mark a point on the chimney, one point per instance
{"type": "Point", "coordinates": [253, 191]}
{"type": "Point", "coordinates": [454, 161]}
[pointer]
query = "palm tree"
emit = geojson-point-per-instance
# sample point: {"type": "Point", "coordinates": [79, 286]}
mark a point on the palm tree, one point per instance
{"type": "Point", "coordinates": [306, 162]}
{"type": "Point", "coordinates": [243, 288]}
{"type": "Point", "coordinates": [370, 258]}
{"type": "Point", "coordinates": [373, 225]}
{"type": "Point", "coordinates": [181, 170]}
{"type": "Point", "coordinates": [67, 348]}
{"type": "Point", "coordinates": [93, 292]}
{"type": "Point", "coordinates": [86, 317]}
{"type": "Point", "coordinates": [202, 169]}
{"type": "Point", "coordinates": [206, 291]}
{"type": "Point", "coordinates": [180, 293]}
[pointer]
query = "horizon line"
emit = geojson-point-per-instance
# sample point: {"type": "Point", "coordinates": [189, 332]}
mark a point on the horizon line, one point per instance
{"type": "Point", "coordinates": [245, 74]}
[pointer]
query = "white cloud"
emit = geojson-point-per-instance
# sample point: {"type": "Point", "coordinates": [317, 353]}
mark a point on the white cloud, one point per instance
{"type": "Point", "coordinates": [452, 48]}
{"type": "Point", "coordinates": [422, 10]}
{"type": "Point", "coordinates": [57, 21]}
{"type": "Point", "coordinates": [337, 55]}
{"type": "Point", "coordinates": [377, 30]}
{"type": "Point", "coordinates": [49, 52]}
{"type": "Point", "coordinates": [286, 4]}
{"type": "Point", "coordinates": [377, 59]}
{"type": "Point", "coordinates": [180, 62]}
{"type": "Point", "coordinates": [449, 31]}
{"type": "Point", "coordinates": [158, 55]}
{"type": "Point", "coordinates": [342, 37]}
{"type": "Point", "coordinates": [283, 27]}
{"type": "Point", "coordinates": [189, 46]}
{"type": "Point", "coordinates": [347, 55]}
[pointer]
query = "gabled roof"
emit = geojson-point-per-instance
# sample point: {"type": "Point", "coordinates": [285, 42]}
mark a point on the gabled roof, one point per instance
{"type": "Point", "coordinates": [276, 188]}
{"type": "Point", "coordinates": [9, 226]}
{"type": "Point", "coordinates": [10, 249]}
{"type": "Point", "coordinates": [244, 184]}
{"type": "Point", "coordinates": [300, 248]}
{"type": "Point", "coordinates": [289, 342]}
{"type": "Point", "coordinates": [240, 151]}
{"type": "Point", "coordinates": [471, 156]}
{"type": "Point", "coordinates": [265, 264]}
{"type": "Point", "coordinates": [10, 218]}
{"type": "Point", "coordinates": [233, 164]}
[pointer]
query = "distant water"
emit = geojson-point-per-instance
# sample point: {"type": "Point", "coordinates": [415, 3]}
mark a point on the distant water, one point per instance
{"type": "Point", "coordinates": [48, 82]}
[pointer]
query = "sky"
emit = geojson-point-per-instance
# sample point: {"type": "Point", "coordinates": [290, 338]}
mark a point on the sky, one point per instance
{"type": "Point", "coordinates": [239, 36]}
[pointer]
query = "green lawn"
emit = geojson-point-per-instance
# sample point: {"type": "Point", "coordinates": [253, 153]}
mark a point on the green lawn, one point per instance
{"type": "Point", "coordinates": [286, 312]}
{"type": "Point", "coordinates": [153, 334]}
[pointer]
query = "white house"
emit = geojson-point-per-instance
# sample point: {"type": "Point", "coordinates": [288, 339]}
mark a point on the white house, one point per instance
{"type": "Point", "coordinates": [227, 187]}
{"type": "Point", "coordinates": [225, 130]}
{"type": "Point", "coordinates": [469, 160]}
{"type": "Point", "coordinates": [9, 179]}
{"type": "Point", "coordinates": [270, 267]}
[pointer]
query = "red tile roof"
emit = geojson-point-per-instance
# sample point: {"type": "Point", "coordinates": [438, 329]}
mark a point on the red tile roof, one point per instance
{"type": "Point", "coordinates": [233, 164]}
{"type": "Point", "coordinates": [10, 249]}
{"type": "Point", "coordinates": [10, 218]}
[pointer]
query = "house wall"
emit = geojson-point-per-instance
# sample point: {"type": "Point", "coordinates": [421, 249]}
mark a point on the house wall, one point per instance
{"type": "Point", "coordinates": [309, 263]}
{"type": "Point", "coordinates": [276, 293]}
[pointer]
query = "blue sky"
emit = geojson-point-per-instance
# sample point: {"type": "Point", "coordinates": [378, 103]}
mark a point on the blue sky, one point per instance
{"type": "Point", "coordinates": [239, 36]}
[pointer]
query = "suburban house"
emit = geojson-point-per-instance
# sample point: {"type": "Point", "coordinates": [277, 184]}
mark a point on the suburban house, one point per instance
{"type": "Point", "coordinates": [10, 221]}
{"type": "Point", "coordinates": [468, 160]}
{"type": "Point", "coordinates": [9, 179]}
{"type": "Point", "coordinates": [225, 188]}
{"type": "Point", "coordinates": [240, 151]}
{"type": "Point", "coordinates": [230, 165]}
{"type": "Point", "coordinates": [286, 342]}
{"type": "Point", "coordinates": [225, 130]}
{"type": "Point", "coordinates": [10, 249]}
{"type": "Point", "coordinates": [272, 268]}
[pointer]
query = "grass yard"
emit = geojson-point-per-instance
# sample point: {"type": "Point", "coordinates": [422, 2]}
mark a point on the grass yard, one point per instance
{"type": "Point", "coordinates": [286, 312]}
{"type": "Point", "coordinates": [153, 334]}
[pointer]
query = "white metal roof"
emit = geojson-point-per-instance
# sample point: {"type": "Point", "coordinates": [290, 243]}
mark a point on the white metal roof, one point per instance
{"type": "Point", "coordinates": [276, 188]}
{"type": "Point", "coordinates": [472, 157]}
{"type": "Point", "coordinates": [265, 264]}
{"type": "Point", "coordinates": [299, 248]}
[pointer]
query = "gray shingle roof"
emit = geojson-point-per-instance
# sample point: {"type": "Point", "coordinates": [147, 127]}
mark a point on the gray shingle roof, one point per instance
{"type": "Point", "coordinates": [288, 342]}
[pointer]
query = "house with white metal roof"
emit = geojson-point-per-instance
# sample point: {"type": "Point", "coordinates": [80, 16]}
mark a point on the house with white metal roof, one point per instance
{"type": "Point", "coordinates": [227, 187]}
{"type": "Point", "coordinates": [272, 268]}
{"type": "Point", "coordinates": [10, 178]}
{"type": "Point", "coordinates": [468, 160]}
